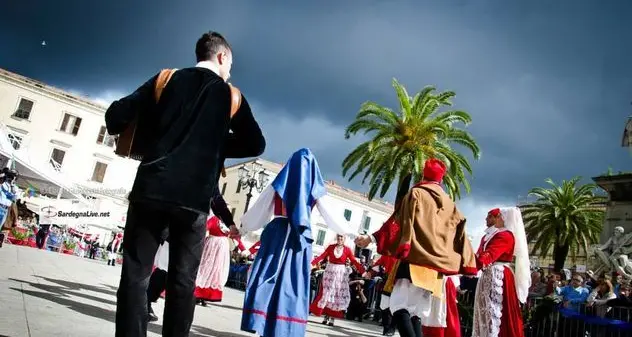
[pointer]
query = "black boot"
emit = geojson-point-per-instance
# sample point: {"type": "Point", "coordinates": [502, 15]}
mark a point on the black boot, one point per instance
{"type": "Point", "coordinates": [1, 239]}
{"type": "Point", "coordinates": [387, 323]}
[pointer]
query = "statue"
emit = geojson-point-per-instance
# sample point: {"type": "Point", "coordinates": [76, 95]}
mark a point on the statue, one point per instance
{"type": "Point", "coordinates": [613, 255]}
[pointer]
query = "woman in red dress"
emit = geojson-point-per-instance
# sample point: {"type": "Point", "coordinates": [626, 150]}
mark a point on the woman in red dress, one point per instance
{"type": "Point", "coordinates": [333, 297]}
{"type": "Point", "coordinates": [215, 263]}
{"type": "Point", "coordinates": [500, 290]}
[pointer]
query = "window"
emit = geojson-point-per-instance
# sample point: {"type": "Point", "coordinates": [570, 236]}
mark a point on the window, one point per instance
{"type": "Point", "coordinates": [104, 139]}
{"type": "Point", "coordinates": [238, 187]}
{"type": "Point", "coordinates": [15, 140]}
{"type": "Point", "coordinates": [99, 172]}
{"type": "Point", "coordinates": [57, 158]}
{"type": "Point", "coordinates": [348, 215]}
{"type": "Point", "coordinates": [232, 211]}
{"type": "Point", "coordinates": [224, 188]}
{"type": "Point", "coordinates": [320, 238]}
{"type": "Point", "coordinates": [367, 223]}
{"type": "Point", "coordinates": [70, 124]}
{"type": "Point", "coordinates": [24, 109]}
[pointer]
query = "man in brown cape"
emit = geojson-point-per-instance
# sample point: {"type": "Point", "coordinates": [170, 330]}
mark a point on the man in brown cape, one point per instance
{"type": "Point", "coordinates": [427, 235]}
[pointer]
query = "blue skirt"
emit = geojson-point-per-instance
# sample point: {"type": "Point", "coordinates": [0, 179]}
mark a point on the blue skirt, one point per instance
{"type": "Point", "coordinates": [277, 295]}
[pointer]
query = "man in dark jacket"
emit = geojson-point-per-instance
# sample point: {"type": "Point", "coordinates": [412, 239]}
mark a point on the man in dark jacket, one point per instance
{"type": "Point", "coordinates": [187, 136]}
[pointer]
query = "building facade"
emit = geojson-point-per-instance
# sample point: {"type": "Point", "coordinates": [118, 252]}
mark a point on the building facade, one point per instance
{"type": "Point", "coordinates": [355, 209]}
{"type": "Point", "coordinates": [63, 131]}
{"type": "Point", "coordinates": [64, 135]}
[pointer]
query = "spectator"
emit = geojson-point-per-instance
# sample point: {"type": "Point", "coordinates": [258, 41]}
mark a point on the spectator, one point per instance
{"type": "Point", "coordinates": [591, 281]}
{"type": "Point", "coordinates": [538, 288]}
{"type": "Point", "coordinates": [617, 283]}
{"type": "Point", "coordinates": [624, 299]}
{"type": "Point", "coordinates": [574, 294]}
{"type": "Point", "coordinates": [552, 281]}
{"type": "Point", "coordinates": [600, 296]}
{"type": "Point", "coordinates": [358, 304]}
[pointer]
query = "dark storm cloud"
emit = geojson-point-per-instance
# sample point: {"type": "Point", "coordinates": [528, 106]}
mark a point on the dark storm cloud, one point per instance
{"type": "Point", "coordinates": [547, 84]}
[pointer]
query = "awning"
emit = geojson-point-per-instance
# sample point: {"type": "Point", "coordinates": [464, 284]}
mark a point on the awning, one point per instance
{"type": "Point", "coordinates": [41, 177]}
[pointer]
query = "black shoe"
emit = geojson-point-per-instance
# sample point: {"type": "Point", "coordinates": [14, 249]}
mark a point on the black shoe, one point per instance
{"type": "Point", "coordinates": [388, 332]}
{"type": "Point", "coordinates": [152, 315]}
{"type": "Point", "coordinates": [203, 303]}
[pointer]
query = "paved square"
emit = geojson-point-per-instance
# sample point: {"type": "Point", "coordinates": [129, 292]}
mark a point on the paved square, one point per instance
{"type": "Point", "coordinates": [46, 294]}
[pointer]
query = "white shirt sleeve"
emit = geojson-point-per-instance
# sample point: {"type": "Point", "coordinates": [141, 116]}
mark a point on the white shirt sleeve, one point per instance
{"type": "Point", "coordinates": [261, 213]}
{"type": "Point", "coordinates": [334, 223]}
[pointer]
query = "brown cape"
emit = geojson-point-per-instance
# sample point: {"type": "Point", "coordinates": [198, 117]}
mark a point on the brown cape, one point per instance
{"type": "Point", "coordinates": [428, 231]}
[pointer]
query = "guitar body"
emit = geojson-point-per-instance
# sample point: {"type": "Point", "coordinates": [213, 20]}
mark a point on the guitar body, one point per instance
{"type": "Point", "coordinates": [125, 141]}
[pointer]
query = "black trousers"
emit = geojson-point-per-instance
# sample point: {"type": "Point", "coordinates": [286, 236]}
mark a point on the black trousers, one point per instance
{"type": "Point", "coordinates": [157, 284]}
{"type": "Point", "coordinates": [145, 223]}
{"type": "Point", "coordinates": [406, 325]}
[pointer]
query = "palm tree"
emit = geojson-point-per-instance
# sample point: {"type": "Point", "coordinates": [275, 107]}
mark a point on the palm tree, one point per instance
{"type": "Point", "coordinates": [402, 141]}
{"type": "Point", "coordinates": [564, 217]}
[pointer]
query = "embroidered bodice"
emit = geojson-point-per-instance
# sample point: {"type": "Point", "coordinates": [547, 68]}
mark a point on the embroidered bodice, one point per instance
{"type": "Point", "coordinates": [344, 253]}
{"type": "Point", "coordinates": [497, 247]}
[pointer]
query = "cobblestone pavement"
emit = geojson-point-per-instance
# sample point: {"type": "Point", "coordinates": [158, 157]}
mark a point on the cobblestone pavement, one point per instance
{"type": "Point", "coordinates": [46, 294]}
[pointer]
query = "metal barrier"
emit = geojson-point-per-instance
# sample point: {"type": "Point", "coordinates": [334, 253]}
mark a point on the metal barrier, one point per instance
{"type": "Point", "coordinates": [544, 317]}
{"type": "Point", "coordinates": [238, 276]}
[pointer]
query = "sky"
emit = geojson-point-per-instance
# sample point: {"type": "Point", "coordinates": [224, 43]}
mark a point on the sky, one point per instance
{"type": "Point", "coordinates": [548, 84]}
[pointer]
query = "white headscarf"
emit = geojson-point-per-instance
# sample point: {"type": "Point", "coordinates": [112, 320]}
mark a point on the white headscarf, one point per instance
{"type": "Point", "coordinates": [522, 273]}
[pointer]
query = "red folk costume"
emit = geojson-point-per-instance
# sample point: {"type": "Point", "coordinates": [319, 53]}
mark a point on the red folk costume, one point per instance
{"type": "Point", "coordinates": [427, 235]}
{"type": "Point", "coordinates": [499, 290]}
{"type": "Point", "coordinates": [215, 262]}
{"type": "Point", "coordinates": [333, 297]}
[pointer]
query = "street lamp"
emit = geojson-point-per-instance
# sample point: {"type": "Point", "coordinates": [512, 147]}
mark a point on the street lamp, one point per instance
{"type": "Point", "coordinates": [627, 134]}
{"type": "Point", "coordinates": [253, 177]}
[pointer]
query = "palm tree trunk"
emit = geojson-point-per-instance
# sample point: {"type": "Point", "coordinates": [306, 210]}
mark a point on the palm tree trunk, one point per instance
{"type": "Point", "coordinates": [402, 189]}
{"type": "Point", "coordinates": [560, 253]}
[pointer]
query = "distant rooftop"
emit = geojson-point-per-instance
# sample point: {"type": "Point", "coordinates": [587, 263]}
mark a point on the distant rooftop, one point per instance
{"type": "Point", "coordinates": [63, 94]}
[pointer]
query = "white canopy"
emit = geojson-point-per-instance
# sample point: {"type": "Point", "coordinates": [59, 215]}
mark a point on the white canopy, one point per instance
{"type": "Point", "coordinates": [59, 191]}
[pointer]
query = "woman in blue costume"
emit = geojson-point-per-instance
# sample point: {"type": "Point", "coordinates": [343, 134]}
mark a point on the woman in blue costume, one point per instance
{"type": "Point", "coordinates": [277, 295]}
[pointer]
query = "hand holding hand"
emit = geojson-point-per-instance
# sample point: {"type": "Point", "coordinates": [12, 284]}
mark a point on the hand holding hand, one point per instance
{"type": "Point", "coordinates": [234, 232]}
{"type": "Point", "coordinates": [362, 241]}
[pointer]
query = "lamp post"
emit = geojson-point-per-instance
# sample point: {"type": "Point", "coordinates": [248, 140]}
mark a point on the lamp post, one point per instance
{"type": "Point", "coordinates": [254, 177]}
{"type": "Point", "coordinates": [627, 134]}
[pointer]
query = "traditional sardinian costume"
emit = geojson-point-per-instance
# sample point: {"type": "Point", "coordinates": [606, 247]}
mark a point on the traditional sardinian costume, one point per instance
{"type": "Point", "coordinates": [215, 263]}
{"type": "Point", "coordinates": [428, 236]}
{"type": "Point", "coordinates": [333, 297]}
{"type": "Point", "coordinates": [501, 288]}
{"type": "Point", "coordinates": [277, 294]}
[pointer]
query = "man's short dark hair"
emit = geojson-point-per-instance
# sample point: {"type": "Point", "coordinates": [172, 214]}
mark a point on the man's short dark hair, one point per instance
{"type": "Point", "coordinates": [210, 44]}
